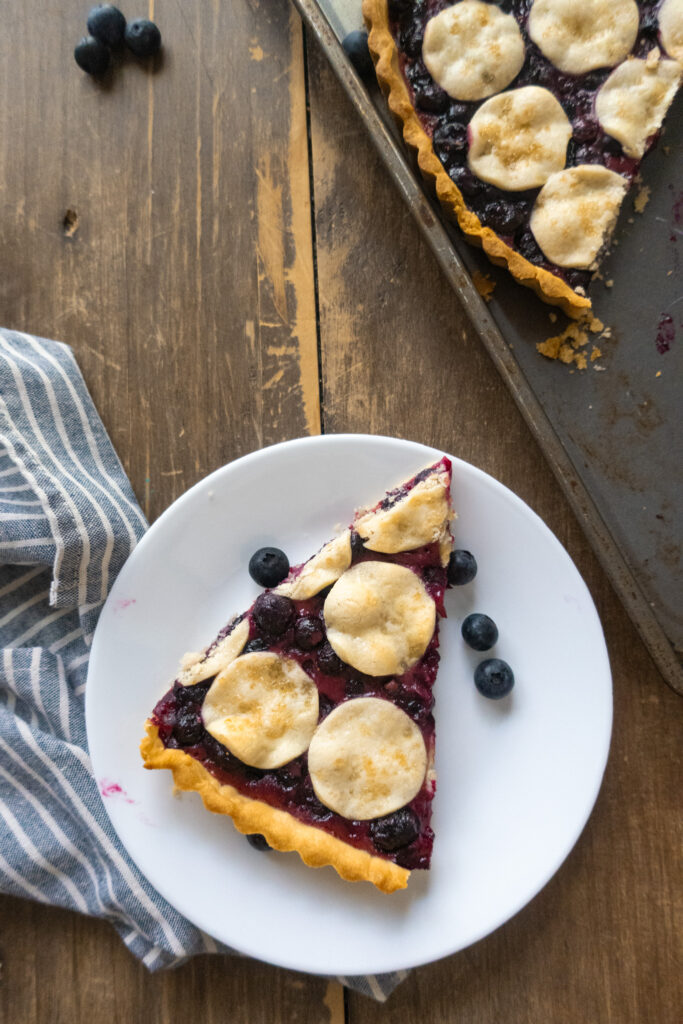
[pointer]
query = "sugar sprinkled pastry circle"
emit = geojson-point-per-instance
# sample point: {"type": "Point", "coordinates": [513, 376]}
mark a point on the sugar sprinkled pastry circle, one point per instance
{"type": "Point", "coordinates": [263, 708]}
{"type": "Point", "coordinates": [580, 35]}
{"type": "Point", "coordinates": [671, 28]}
{"type": "Point", "coordinates": [632, 103]}
{"type": "Point", "coordinates": [367, 759]}
{"type": "Point", "coordinates": [518, 139]}
{"type": "Point", "coordinates": [575, 213]}
{"type": "Point", "coordinates": [473, 50]}
{"type": "Point", "coordinates": [379, 618]}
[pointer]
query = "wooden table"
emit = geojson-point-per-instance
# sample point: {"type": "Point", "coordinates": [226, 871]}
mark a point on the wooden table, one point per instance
{"type": "Point", "coordinates": [217, 241]}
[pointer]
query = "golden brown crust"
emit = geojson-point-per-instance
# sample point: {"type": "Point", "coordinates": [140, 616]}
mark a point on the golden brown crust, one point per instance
{"type": "Point", "coordinates": [282, 831]}
{"type": "Point", "coordinates": [385, 55]}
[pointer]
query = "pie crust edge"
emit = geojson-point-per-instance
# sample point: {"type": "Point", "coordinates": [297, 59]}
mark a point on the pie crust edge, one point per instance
{"type": "Point", "coordinates": [385, 56]}
{"type": "Point", "coordinates": [281, 830]}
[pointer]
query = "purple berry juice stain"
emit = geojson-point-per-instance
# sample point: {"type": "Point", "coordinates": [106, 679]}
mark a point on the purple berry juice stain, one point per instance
{"type": "Point", "coordinates": [666, 333]}
{"type": "Point", "coordinates": [109, 789]}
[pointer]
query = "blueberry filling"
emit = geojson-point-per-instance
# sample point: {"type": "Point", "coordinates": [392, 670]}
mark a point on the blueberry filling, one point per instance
{"type": "Point", "coordinates": [445, 120]}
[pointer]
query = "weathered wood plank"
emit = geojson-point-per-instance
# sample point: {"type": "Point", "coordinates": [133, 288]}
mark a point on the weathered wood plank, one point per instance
{"type": "Point", "coordinates": [183, 278]}
{"type": "Point", "coordinates": [600, 942]}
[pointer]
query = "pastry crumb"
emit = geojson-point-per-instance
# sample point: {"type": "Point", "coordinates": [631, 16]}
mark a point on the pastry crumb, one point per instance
{"type": "Point", "coordinates": [642, 198]}
{"type": "Point", "coordinates": [658, 373]}
{"type": "Point", "coordinates": [552, 317]}
{"type": "Point", "coordinates": [484, 285]}
{"type": "Point", "coordinates": [609, 284]}
{"type": "Point", "coordinates": [595, 354]}
{"type": "Point", "coordinates": [568, 344]}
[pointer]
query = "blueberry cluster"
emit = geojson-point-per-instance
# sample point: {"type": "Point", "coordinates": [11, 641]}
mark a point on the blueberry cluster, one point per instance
{"type": "Point", "coordinates": [493, 677]}
{"type": "Point", "coordinates": [107, 31]}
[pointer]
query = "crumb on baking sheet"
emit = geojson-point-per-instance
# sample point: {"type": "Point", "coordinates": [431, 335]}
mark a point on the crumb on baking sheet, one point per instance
{"type": "Point", "coordinates": [642, 198]}
{"type": "Point", "coordinates": [484, 285]}
{"type": "Point", "coordinates": [552, 317]}
{"type": "Point", "coordinates": [566, 346]}
{"type": "Point", "coordinates": [609, 284]}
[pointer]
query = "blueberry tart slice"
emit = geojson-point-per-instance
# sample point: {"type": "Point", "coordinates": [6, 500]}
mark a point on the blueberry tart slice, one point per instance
{"type": "Point", "coordinates": [531, 118]}
{"type": "Point", "coordinates": [308, 720]}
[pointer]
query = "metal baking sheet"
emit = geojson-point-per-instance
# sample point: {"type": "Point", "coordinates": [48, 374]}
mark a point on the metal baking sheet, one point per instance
{"type": "Point", "coordinates": [612, 433]}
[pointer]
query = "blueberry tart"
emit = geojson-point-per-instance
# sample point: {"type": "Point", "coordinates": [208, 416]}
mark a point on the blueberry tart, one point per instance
{"type": "Point", "coordinates": [308, 720]}
{"type": "Point", "coordinates": [531, 118]}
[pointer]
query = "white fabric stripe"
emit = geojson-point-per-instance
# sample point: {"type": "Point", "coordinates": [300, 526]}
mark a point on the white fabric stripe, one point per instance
{"type": "Point", "coordinates": [12, 469]}
{"type": "Point", "coordinates": [57, 832]}
{"type": "Point", "coordinates": [37, 627]}
{"type": "Point", "coordinates": [102, 838]}
{"type": "Point", "coordinates": [66, 640]}
{"type": "Point", "coordinates": [36, 599]}
{"type": "Point", "coordinates": [20, 580]}
{"type": "Point", "coordinates": [77, 662]}
{"type": "Point", "coordinates": [20, 501]}
{"type": "Point", "coordinates": [63, 701]}
{"type": "Point", "coordinates": [34, 674]}
{"type": "Point", "coordinates": [151, 957]}
{"type": "Point", "coordinates": [21, 487]}
{"type": "Point", "coordinates": [29, 889]}
{"type": "Point", "coordinates": [18, 760]}
{"type": "Point", "coordinates": [8, 664]}
{"type": "Point", "coordinates": [10, 545]}
{"type": "Point", "coordinates": [209, 943]}
{"type": "Point", "coordinates": [76, 515]}
{"type": "Point", "coordinates": [59, 425]}
{"type": "Point", "coordinates": [92, 443]}
{"type": "Point", "coordinates": [37, 857]}
{"type": "Point", "coordinates": [14, 517]}
{"type": "Point", "coordinates": [375, 988]}
{"type": "Point", "coordinates": [79, 690]}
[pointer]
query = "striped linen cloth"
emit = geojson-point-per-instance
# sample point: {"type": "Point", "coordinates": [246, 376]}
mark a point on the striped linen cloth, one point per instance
{"type": "Point", "coordinates": [68, 521]}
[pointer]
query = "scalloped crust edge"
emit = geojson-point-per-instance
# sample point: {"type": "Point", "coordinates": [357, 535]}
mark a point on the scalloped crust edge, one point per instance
{"type": "Point", "coordinates": [385, 56]}
{"type": "Point", "coordinates": [282, 831]}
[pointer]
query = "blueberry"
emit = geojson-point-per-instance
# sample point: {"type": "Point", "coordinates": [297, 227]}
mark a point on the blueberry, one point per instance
{"type": "Point", "coordinates": [462, 567]}
{"type": "Point", "coordinates": [268, 566]}
{"type": "Point", "coordinates": [410, 40]}
{"type": "Point", "coordinates": [356, 48]}
{"type": "Point", "coordinates": [354, 687]}
{"type": "Point", "coordinates": [450, 142]}
{"type": "Point", "coordinates": [494, 678]}
{"type": "Point", "coordinates": [479, 632]}
{"type": "Point", "coordinates": [273, 613]}
{"type": "Point", "coordinates": [357, 546]}
{"type": "Point", "coordinates": [195, 694]}
{"type": "Point", "coordinates": [504, 217]}
{"type": "Point", "coordinates": [142, 38]}
{"type": "Point", "coordinates": [395, 830]}
{"type": "Point", "coordinates": [257, 644]}
{"type": "Point", "coordinates": [308, 633]}
{"type": "Point", "coordinates": [92, 56]}
{"type": "Point", "coordinates": [106, 23]}
{"type": "Point", "coordinates": [428, 95]}
{"type": "Point", "coordinates": [467, 182]}
{"type": "Point", "coordinates": [328, 661]}
{"type": "Point", "coordinates": [258, 842]}
{"type": "Point", "coordinates": [188, 728]}
{"type": "Point", "coordinates": [527, 247]}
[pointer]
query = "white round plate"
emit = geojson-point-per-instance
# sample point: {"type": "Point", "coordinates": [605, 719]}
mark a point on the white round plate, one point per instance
{"type": "Point", "coordinates": [517, 778]}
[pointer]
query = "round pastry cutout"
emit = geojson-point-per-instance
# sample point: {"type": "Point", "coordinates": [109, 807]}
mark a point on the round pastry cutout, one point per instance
{"type": "Point", "coordinates": [575, 212]}
{"type": "Point", "coordinates": [367, 759]}
{"type": "Point", "coordinates": [633, 102]}
{"type": "Point", "coordinates": [379, 618]}
{"type": "Point", "coordinates": [580, 35]}
{"type": "Point", "coordinates": [263, 708]}
{"type": "Point", "coordinates": [473, 50]}
{"type": "Point", "coordinates": [671, 28]}
{"type": "Point", "coordinates": [518, 139]}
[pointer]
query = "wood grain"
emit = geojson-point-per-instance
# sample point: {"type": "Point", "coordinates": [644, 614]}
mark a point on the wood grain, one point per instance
{"type": "Point", "coordinates": [602, 942]}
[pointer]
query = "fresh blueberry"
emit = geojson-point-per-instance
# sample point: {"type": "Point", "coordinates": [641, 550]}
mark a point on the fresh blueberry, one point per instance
{"type": "Point", "coordinates": [479, 631]}
{"type": "Point", "coordinates": [395, 830]}
{"type": "Point", "coordinates": [268, 566]}
{"type": "Point", "coordinates": [258, 842]}
{"type": "Point", "coordinates": [308, 633]}
{"type": "Point", "coordinates": [92, 56]}
{"type": "Point", "coordinates": [494, 678]}
{"type": "Point", "coordinates": [328, 661]}
{"type": "Point", "coordinates": [462, 567]}
{"type": "Point", "coordinates": [106, 23]}
{"type": "Point", "coordinates": [143, 38]}
{"type": "Point", "coordinates": [188, 728]}
{"type": "Point", "coordinates": [273, 613]}
{"type": "Point", "coordinates": [356, 48]}
{"type": "Point", "coordinates": [257, 644]}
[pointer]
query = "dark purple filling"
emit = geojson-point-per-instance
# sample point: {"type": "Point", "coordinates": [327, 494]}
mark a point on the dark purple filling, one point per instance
{"type": "Point", "coordinates": [178, 716]}
{"type": "Point", "coordinates": [445, 121]}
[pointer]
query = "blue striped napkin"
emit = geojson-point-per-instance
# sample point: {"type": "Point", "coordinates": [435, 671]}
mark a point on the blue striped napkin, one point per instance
{"type": "Point", "coordinates": [68, 521]}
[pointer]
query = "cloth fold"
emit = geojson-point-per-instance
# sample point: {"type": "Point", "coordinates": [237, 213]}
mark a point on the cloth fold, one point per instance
{"type": "Point", "coordinates": [68, 522]}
